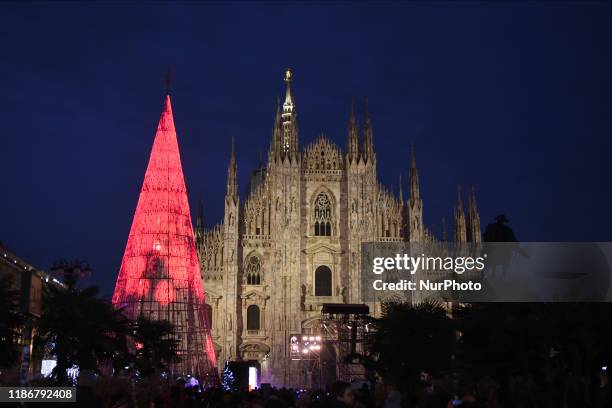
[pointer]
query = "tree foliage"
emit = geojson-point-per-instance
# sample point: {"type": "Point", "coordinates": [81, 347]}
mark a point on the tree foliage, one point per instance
{"type": "Point", "coordinates": [156, 346]}
{"type": "Point", "coordinates": [80, 329]}
{"type": "Point", "coordinates": [409, 339]}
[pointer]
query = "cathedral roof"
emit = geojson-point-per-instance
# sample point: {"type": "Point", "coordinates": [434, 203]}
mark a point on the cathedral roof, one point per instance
{"type": "Point", "coordinates": [322, 155]}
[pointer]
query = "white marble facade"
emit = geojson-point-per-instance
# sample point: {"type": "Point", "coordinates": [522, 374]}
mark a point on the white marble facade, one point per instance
{"type": "Point", "coordinates": [294, 242]}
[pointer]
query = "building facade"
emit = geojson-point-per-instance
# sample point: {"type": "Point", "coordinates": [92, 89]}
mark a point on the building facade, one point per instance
{"type": "Point", "coordinates": [29, 282]}
{"type": "Point", "coordinates": [295, 242]}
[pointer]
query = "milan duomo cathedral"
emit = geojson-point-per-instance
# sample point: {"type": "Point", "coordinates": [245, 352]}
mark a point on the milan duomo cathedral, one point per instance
{"type": "Point", "coordinates": [295, 242]}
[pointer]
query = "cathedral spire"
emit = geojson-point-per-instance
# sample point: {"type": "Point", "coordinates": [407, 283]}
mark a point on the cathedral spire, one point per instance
{"type": "Point", "coordinates": [199, 229]}
{"type": "Point", "coordinates": [459, 202]}
{"type": "Point", "coordinates": [415, 193]}
{"type": "Point", "coordinates": [277, 133]}
{"type": "Point", "coordinates": [289, 135]}
{"type": "Point", "coordinates": [473, 218]}
{"type": "Point", "coordinates": [460, 230]}
{"type": "Point", "coordinates": [288, 97]}
{"type": "Point", "coordinates": [368, 142]}
{"type": "Point", "coordinates": [232, 183]}
{"type": "Point", "coordinates": [416, 228]}
{"type": "Point", "coordinates": [401, 189]}
{"type": "Point", "coordinates": [200, 218]}
{"type": "Point", "coordinates": [353, 136]}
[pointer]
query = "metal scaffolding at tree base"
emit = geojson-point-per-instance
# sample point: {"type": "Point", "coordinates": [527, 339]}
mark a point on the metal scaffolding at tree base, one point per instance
{"type": "Point", "coordinates": [344, 327]}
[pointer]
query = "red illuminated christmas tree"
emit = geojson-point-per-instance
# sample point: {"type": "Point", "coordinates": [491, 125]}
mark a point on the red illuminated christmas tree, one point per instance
{"type": "Point", "coordinates": [160, 275]}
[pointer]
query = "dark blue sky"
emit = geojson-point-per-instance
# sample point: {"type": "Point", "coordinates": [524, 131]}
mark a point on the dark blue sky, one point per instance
{"type": "Point", "coordinates": [513, 98]}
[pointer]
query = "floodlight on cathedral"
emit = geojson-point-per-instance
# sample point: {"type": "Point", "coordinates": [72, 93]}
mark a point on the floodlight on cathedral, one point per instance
{"type": "Point", "coordinates": [160, 276]}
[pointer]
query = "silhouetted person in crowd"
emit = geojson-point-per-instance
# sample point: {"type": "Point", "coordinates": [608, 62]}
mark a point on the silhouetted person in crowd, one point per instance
{"type": "Point", "coordinates": [365, 396]}
{"type": "Point", "coordinates": [227, 401]}
{"type": "Point", "coordinates": [121, 401]}
{"type": "Point", "coordinates": [603, 394]}
{"type": "Point", "coordinates": [342, 394]}
{"type": "Point", "coordinates": [465, 398]}
{"type": "Point", "coordinates": [394, 397]}
{"type": "Point", "coordinates": [86, 396]}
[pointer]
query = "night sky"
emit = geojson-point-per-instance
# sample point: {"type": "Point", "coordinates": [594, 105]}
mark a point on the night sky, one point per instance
{"type": "Point", "coordinates": [512, 98]}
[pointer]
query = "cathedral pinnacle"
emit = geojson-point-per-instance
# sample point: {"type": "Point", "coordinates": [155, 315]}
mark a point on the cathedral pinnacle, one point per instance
{"type": "Point", "coordinates": [232, 184]}
{"type": "Point", "coordinates": [368, 142]}
{"type": "Point", "coordinates": [199, 229]}
{"type": "Point", "coordinates": [473, 218]}
{"type": "Point", "coordinates": [459, 200]}
{"type": "Point", "coordinates": [353, 135]}
{"type": "Point", "coordinates": [415, 204]}
{"type": "Point", "coordinates": [289, 143]}
{"type": "Point", "coordinates": [413, 177]}
{"type": "Point", "coordinates": [288, 104]}
{"type": "Point", "coordinates": [472, 199]}
{"type": "Point", "coordinates": [200, 216]}
{"type": "Point", "coordinates": [460, 227]}
{"type": "Point", "coordinates": [277, 132]}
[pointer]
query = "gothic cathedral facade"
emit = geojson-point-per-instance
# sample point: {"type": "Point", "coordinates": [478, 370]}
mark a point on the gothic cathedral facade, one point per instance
{"type": "Point", "coordinates": [295, 242]}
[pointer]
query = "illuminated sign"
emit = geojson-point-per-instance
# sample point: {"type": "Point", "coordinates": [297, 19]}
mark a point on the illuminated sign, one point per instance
{"type": "Point", "coordinates": [304, 346]}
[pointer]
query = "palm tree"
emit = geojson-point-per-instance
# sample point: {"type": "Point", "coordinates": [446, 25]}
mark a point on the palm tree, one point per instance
{"type": "Point", "coordinates": [80, 329]}
{"type": "Point", "coordinates": [11, 322]}
{"type": "Point", "coordinates": [156, 347]}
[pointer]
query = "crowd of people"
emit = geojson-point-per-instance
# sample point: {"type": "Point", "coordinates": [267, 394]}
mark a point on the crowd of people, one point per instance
{"type": "Point", "coordinates": [182, 394]}
{"type": "Point", "coordinates": [429, 394]}
{"type": "Point", "coordinates": [106, 392]}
